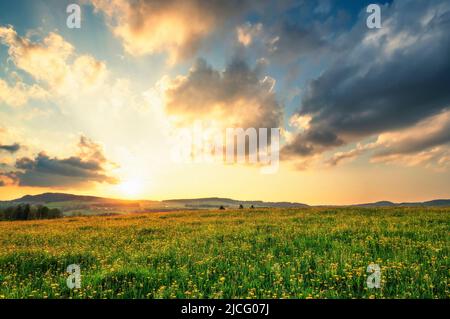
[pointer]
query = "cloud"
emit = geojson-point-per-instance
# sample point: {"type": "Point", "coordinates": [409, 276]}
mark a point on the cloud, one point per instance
{"type": "Point", "coordinates": [311, 142]}
{"type": "Point", "coordinates": [433, 131]}
{"type": "Point", "coordinates": [20, 93]}
{"type": "Point", "coordinates": [87, 167]}
{"type": "Point", "coordinates": [13, 148]}
{"type": "Point", "coordinates": [239, 96]}
{"type": "Point", "coordinates": [387, 80]}
{"type": "Point", "coordinates": [323, 7]}
{"type": "Point", "coordinates": [91, 151]}
{"type": "Point", "coordinates": [247, 32]}
{"type": "Point", "coordinates": [288, 42]}
{"type": "Point", "coordinates": [428, 142]}
{"type": "Point", "coordinates": [437, 158]}
{"type": "Point", "coordinates": [302, 33]}
{"type": "Point", "coordinates": [176, 27]}
{"type": "Point", "coordinates": [53, 62]}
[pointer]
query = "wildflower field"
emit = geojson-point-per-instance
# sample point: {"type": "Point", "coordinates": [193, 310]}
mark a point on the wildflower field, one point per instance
{"type": "Point", "coordinates": [250, 253]}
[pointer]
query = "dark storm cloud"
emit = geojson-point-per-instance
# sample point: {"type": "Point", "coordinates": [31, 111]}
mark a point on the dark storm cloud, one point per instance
{"type": "Point", "coordinates": [291, 41]}
{"type": "Point", "coordinates": [311, 142]}
{"type": "Point", "coordinates": [304, 30]}
{"type": "Point", "coordinates": [13, 148]}
{"type": "Point", "coordinates": [387, 80]}
{"type": "Point", "coordinates": [301, 35]}
{"type": "Point", "coordinates": [45, 171]}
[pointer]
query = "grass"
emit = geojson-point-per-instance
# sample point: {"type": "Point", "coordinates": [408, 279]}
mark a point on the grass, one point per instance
{"type": "Point", "coordinates": [260, 253]}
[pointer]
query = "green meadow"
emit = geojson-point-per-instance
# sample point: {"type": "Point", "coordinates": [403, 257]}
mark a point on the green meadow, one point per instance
{"type": "Point", "coordinates": [247, 253]}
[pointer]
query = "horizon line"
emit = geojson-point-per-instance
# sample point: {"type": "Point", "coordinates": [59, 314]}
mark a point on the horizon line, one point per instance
{"type": "Point", "coordinates": [226, 198]}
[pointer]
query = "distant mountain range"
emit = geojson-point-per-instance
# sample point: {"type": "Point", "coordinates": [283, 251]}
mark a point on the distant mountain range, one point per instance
{"type": "Point", "coordinates": [75, 202]}
{"type": "Point", "coordinates": [215, 201]}
{"type": "Point", "coordinates": [194, 203]}
{"type": "Point", "coordinates": [55, 197]}
{"type": "Point", "coordinates": [436, 202]}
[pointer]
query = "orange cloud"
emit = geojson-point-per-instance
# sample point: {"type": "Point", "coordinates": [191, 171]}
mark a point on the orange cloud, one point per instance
{"type": "Point", "coordinates": [426, 144]}
{"type": "Point", "coordinates": [20, 93]}
{"type": "Point", "coordinates": [247, 32]}
{"type": "Point", "coordinates": [239, 96]}
{"type": "Point", "coordinates": [53, 62]}
{"type": "Point", "coordinates": [176, 27]}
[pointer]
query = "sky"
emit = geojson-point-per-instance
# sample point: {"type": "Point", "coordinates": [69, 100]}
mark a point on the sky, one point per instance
{"type": "Point", "coordinates": [363, 113]}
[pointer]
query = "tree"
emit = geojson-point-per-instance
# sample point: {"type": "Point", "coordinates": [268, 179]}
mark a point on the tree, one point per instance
{"type": "Point", "coordinates": [26, 212]}
{"type": "Point", "coordinates": [43, 212]}
{"type": "Point", "coordinates": [55, 213]}
{"type": "Point", "coordinates": [9, 213]}
{"type": "Point", "coordinates": [18, 214]}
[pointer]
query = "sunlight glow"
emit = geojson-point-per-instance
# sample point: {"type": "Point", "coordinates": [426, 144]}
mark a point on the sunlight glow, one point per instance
{"type": "Point", "coordinates": [131, 188]}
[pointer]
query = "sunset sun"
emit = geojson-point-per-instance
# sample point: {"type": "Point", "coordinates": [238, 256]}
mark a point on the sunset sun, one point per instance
{"type": "Point", "coordinates": [131, 188]}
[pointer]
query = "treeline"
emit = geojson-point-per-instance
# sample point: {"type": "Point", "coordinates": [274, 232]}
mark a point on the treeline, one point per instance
{"type": "Point", "coordinates": [28, 212]}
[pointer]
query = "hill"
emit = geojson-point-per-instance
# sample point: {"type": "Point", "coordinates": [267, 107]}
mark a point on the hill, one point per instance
{"type": "Point", "coordinates": [72, 204]}
{"type": "Point", "coordinates": [196, 202]}
{"type": "Point", "coordinates": [55, 197]}
{"type": "Point", "coordinates": [228, 202]}
{"type": "Point", "coordinates": [431, 203]}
